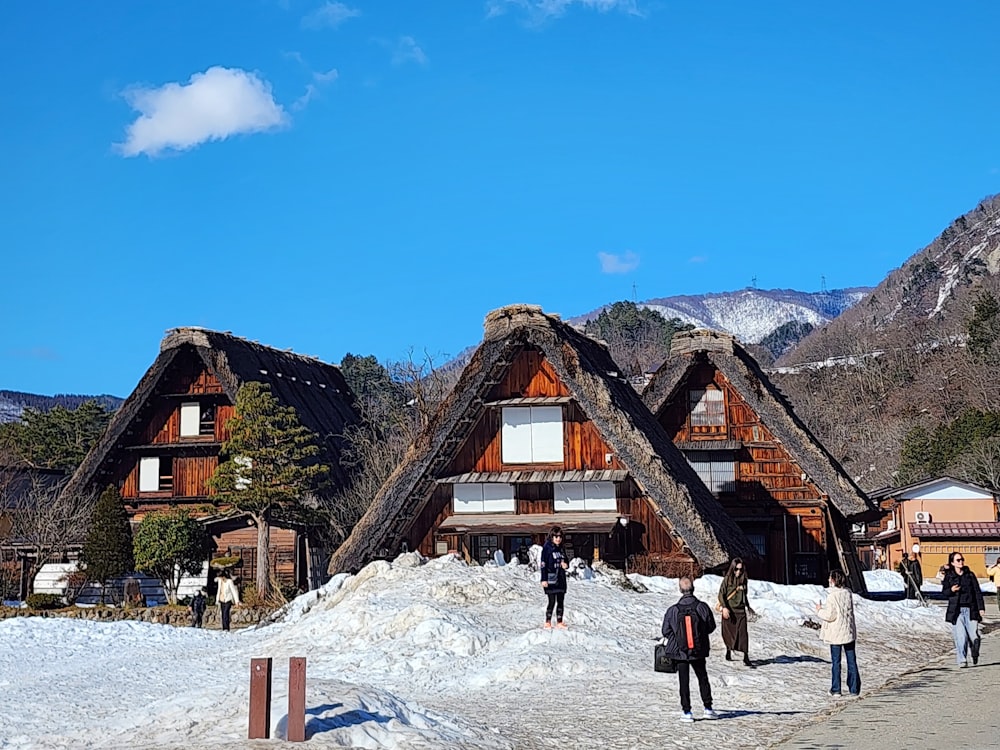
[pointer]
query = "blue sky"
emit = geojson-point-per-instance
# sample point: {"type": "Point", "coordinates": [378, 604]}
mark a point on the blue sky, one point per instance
{"type": "Point", "coordinates": [369, 176]}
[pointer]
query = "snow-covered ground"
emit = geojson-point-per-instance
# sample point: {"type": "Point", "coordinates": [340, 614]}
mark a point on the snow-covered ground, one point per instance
{"type": "Point", "coordinates": [443, 655]}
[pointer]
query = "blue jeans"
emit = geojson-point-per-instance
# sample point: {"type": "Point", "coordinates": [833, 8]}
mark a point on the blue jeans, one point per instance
{"type": "Point", "coordinates": [853, 677]}
{"type": "Point", "coordinates": [964, 633]}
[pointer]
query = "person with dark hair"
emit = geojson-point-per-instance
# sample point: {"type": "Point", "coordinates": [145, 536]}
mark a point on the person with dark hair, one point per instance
{"type": "Point", "coordinates": [197, 608]}
{"type": "Point", "coordinates": [686, 626]}
{"type": "Point", "coordinates": [734, 604]}
{"type": "Point", "coordinates": [226, 596]}
{"type": "Point", "coordinates": [965, 607]}
{"type": "Point", "coordinates": [913, 575]}
{"type": "Point", "coordinates": [553, 565]}
{"type": "Point", "coordinates": [840, 631]}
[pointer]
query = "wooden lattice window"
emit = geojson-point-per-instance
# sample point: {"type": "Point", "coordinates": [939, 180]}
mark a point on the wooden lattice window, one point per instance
{"type": "Point", "coordinates": [707, 408]}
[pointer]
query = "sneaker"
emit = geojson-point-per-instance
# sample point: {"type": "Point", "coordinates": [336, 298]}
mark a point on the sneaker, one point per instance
{"type": "Point", "coordinates": [963, 665]}
{"type": "Point", "coordinates": [547, 626]}
{"type": "Point", "coordinates": [975, 650]}
{"type": "Point", "coordinates": [835, 693]}
{"type": "Point", "coordinates": [710, 714]}
{"type": "Point", "coordinates": [687, 717]}
{"type": "Point", "coordinates": [561, 625]}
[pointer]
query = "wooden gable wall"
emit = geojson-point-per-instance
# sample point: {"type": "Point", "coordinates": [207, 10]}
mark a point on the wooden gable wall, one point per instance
{"type": "Point", "coordinates": [771, 497]}
{"type": "Point", "coordinates": [764, 465]}
{"type": "Point", "coordinates": [530, 376]}
{"type": "Point", "coordinates": [194, 459]}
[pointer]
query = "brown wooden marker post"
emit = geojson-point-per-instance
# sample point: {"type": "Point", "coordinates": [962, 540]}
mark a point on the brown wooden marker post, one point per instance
{"type": "Point", "coordinates": [296, 727]}
{"type": "Point", "coordinates": [260, 699]}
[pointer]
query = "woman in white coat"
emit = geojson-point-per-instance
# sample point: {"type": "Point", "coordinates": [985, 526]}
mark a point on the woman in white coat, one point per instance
{"type": "Point", "coordinates": [840, 632]}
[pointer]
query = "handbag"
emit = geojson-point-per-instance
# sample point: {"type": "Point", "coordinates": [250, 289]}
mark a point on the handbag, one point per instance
{"type": "Point", "coordinates": [661, 661]}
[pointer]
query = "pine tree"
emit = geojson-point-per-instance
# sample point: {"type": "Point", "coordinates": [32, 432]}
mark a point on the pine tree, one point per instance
{"type": "Point", "coordinates": [171, 545]}
{"type": "Point", "coordinates": [107, 550]}
{"type": "Point", "coordinates": [55, 439]}
{"type": "Point", "coordinates": [272, 464]}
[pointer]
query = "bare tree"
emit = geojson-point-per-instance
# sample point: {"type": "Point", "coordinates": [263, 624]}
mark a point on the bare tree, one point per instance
{"type": "Point", "coordinates": [981, 464]}
{"type": "Point", "coordinates": [46, 522]}
{"type": "Point", "coordinates": [377, 446]}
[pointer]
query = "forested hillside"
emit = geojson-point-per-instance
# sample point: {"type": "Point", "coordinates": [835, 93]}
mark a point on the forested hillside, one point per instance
{"type": "Point", "coordinates": [906, 384]}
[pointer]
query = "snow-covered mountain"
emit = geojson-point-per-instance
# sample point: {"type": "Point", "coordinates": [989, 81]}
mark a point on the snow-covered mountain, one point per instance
{"type": "Point", "coordinates": [751, 314]}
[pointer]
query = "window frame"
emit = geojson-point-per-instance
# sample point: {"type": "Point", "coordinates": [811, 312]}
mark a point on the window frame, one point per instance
{"type": "Point", "coordinates": [531, 435]}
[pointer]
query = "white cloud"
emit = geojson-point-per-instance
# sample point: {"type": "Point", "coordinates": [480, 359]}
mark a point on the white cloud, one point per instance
{"type": "Point", "coordinates": [319, 80]}
{"type": "Point", "coordinates": [211, 106]}
{"type": "Point", "coordinates": [329, 16]}
{"type": "Point", "coordinates": [407, 50]}
{"type": "Point", "coordinates": [613, 263]}
{"type": "Point", "coordinates": [541, 10]}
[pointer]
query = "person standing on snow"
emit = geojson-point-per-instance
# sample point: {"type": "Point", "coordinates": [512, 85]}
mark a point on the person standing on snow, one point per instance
{"type": "Point", "coordinates": [226, 596]}
{"type": "Point", "coordinates": [734, 604]}
{"type": "Point", "coordinates": [965, 607]}
{"type": "Point", "coordinates": [686, 626]}
{"type": "Point", "coordinates": [553, 567]}
{"type": "Point", "coordinates": [197, 607]}
{"type": "Point", "coordinates": [841, 632]}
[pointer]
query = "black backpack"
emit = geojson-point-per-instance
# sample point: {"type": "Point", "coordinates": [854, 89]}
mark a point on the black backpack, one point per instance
{"type": "Point", "coordinates": [690, 638]}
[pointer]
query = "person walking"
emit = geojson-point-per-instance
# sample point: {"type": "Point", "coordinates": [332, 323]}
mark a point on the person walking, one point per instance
{"type": "Point", "coordinates": [226, 596]}
{"type": "Point", "coordinates": [734, 604]}
{"type": "Point", "coordinates": [686, 626]}
{"type": "Point", "coordinates": [840, 631]}
{"type": "Point", "coordinates": [553, 565]}
{"type": "Point", "coordinates": [994, 574]}
{"type": "Point", "coordinates": [965, 608]}
{"type": "Point", "coordinates": [197, 608]}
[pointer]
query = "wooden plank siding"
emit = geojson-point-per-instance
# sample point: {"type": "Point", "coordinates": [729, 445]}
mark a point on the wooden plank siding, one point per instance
{"type": "Point", "coordinates": [771, 494]}
{"type": "Point", "coordinates": [528, 376]}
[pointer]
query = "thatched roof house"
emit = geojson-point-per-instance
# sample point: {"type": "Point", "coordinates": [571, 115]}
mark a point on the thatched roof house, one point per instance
{"type": "Point", "coordinates": [604, 435]}
{"type": "Point", "coordinates": [719, 406]}
{"type": "Point", "coordinates": [163, 443]}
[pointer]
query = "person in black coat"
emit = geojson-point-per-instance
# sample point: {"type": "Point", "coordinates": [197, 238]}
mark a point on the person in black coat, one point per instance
{"type": "Point", "coordinates": [198, 604]}
{"type": "Point", "coordinates": [553, 567]}
{"type": "Point", "coordinates": [913, 575]}
{"type": "Point", "coordinates": [689, 648]}
{"type": "Point", "coordinates": [965, 607]}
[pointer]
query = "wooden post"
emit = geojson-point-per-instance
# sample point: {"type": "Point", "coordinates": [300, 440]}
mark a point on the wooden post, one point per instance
{"type": "Point", "coordinates": [260, 699]}
{"type": "Point", "coordinates": [296, 727]}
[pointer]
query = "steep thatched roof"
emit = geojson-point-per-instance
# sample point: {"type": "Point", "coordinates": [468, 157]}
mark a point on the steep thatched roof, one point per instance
{"type": "Point", "coordinates": [317, 390]}
{"type": "Point", "coordinates": [723, 351]}
{"type": "Point", "coordinates": [595, 383]}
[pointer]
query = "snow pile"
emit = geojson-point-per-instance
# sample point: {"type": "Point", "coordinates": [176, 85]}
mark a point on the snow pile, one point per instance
{"type": "Point", "coordinates": [416, 654]}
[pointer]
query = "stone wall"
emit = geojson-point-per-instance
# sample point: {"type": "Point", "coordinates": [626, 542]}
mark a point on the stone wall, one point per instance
{"type": "Point", "coordinates": [177, 616]}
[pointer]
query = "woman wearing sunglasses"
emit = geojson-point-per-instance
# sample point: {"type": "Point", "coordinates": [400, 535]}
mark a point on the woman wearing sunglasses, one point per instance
{"type": "Point", "coordinates": [965, 607]}
{"type": "Point", "coordinates": [734, 604]}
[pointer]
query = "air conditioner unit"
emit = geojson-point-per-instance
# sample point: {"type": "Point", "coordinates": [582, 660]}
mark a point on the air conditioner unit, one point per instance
{"type": "Point", "coordinates": [922, 516]}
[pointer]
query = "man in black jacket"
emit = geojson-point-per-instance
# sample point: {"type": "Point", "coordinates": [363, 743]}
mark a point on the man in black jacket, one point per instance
{"type": "Point", "coordinates": [686, 626]}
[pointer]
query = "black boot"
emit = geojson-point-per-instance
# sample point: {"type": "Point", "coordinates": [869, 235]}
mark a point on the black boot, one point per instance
{"type": "Point", "coordinates": [747, 662]}
{"type": "Point", "coordinates": [729, 655]}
